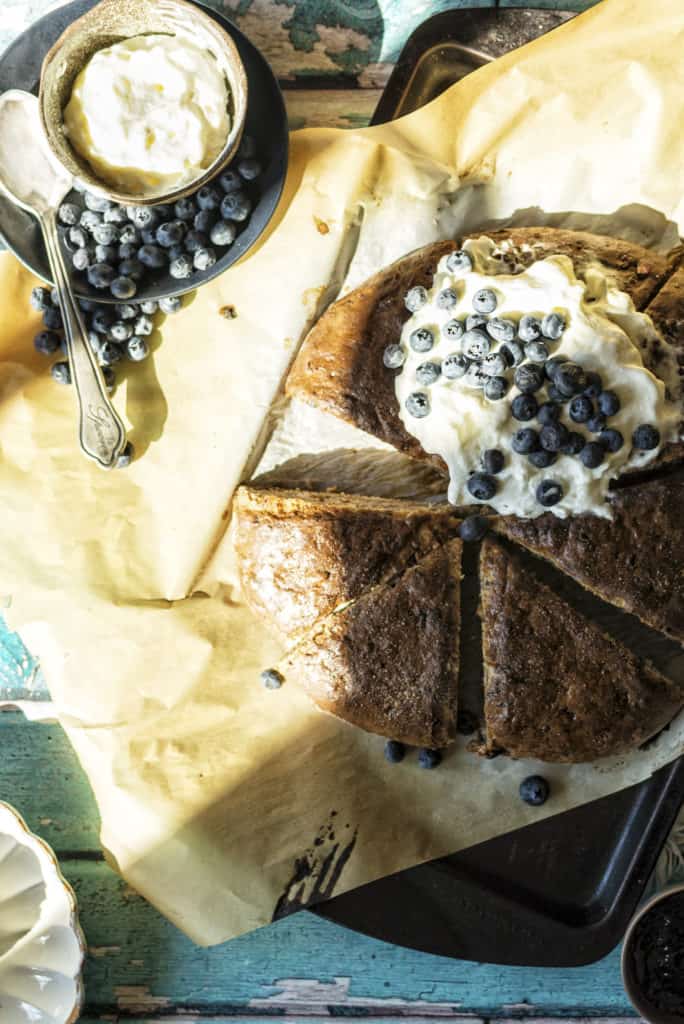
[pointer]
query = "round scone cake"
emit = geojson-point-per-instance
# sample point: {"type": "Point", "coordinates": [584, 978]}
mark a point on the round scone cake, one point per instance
{"type": "Point", "coordinates": [541, 371]}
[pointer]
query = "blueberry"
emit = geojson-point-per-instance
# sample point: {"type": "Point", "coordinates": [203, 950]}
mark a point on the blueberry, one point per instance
{"type": "Point", "coordinates": [89, 220]}
{"type": "Point", "coordinates": [69, 214]}
{"type": "Point", "coordinates": [126, 457]}
{"type": "Point", "coordinates": [646, 437]}
{"type": "Point", "coordinates": [548, 412]}
{"type": "Point", "coordinates": [482, 486]}
{"type": "Point", "coordinates": [596, 423]}
{"type": "Point", "coordinates": [143, 216]}
{"type": "Point", "coordinates": [95, 341]}
{"type": "Point", "coordinates": [222, 233]}
{"type": "Point", "coordinates": [116, 215]}
{"type": "Point", "coordinates": [170, 304]}
{"type": "Point", "coordinates": [83, 258]}
{"type": "Point", "coordinates": [125, 311]}
{"type": "Point", "coordinates": [453, 330]}
{"type": "Point", "coordinates": [549, 492]}
{"type": "Point", "coordinates": [428, 373]}
{"type": "Point", "coordinates": [102, 320]}
{"type": "Point", "coordinates": [536, 352]}
{"type": "Point", "coordinates": [105, 254]}
{"type": "Point", "coordinates": [553, 365]}
{"type": "Point", "coordinates": [209, 198]}
{"type": "Point", "coordinates": [455, 365]}
{"type": "Point", "coordinates": [123, 287]}
{"type": "Point", "coordinates": [594, 385]}
{"type": "Point", "coordinates": [195, 240]}
{"type": "Point", "coordinates": [247, 148]}
{"type": "Point", "coordinates": [271, 679]}
{"type": "Point", "coordinates": [149, 306]}
{"type": "Point", "coordinates": [542, 459]}
{"type": "Point", "coordinates": [592, 454]}
{"type": "Point", "coordinates": [484, 301]}
{"type": "Point", "coordinates": [446, 299]}
{"type": "Point", "coordinates": [137, 348]}
{"type": "Point", "coordinates": [393, 357]}
{"type": "Point", "coordinates": [394, 751]}
{"type": "Point", "coordinates": [495, 388]}
{"type": "Point", "coordinates": [529, 328]}
{"type": "Point", "coordinates": [174, 252]}
{"type": "Point", "coordinates": [249, 168]}
{"type": "Point", "coordinates": [121, 331]}
{"type": "Point", "coordinates": [581, 409]}
{"type": "Point", "coordinates": [97, 203]}
{"type": "Point", "coordinates": [421, 340]}
{"type": "Point", "coordinates": [78, 237]}
{"type": "Point", "coordinates": [52, 318]}
{"type": "Point", "coordinates": [204, 258]}
{"type": "Point", "coordinates": [512, 353]}
{"type": "Point", "coordinates": [110, 353]}
{"type": "Point", "coordinates": [129, 235]}
{"type": "Point", "coordinates": [151, 256]}
{"type": "Point", "coordinates": [185, 208]}
{"type": "Point", "coordinates": [612, 440]}
{"type": "Point", "coordinates": [429, 758]}
{"type": "Point", "coordinates": [40, 299]}
{"type": "Point", "coordinates": [170, 233]}
{"type": "Point", "coordinates": [109, 378]}
{"type": "Point", "coordinates": [418, 404]}
{"type": "Point", "coordinates": [554, 395]}
{"type": "Point", "coordinates": [180, 268]}
{"type": "Point", "coordinates": [473, 528]}
{"type": "Point", "coordinates": [608, 403]}
{"type": "Point", "coordinates": [235, 206]}
{"type": "Point", "coordinates": [204, 221]}
{"type": "Point", "coordinates": [570, 379]}
{"type": "Point", "coordinates": [524, 407]}
{"type": "Point", "coordinates": [61, 372]}
{"type": "Point", "coordinates": [534, 790]}
{"type": "Point", "coordinates": [525, 440]}
{"type": "Point", "coordinates": [529, 378]}
{"type": "Point", "coordinates": [46, 342]}
{"type": "Point", "coordinates": [148, 236]}
{"type": "Point", "coordinates": [476, 320]}
{"type": "Point", "coordinates": [574, 444]}
{"type": "Point", "coordinates": [493, 461]}
{"type": "Point", "coordinates": [230, 181]}
{"type": "Point", "coordinates": [475, 376]}
{"type": "Point", "coordinates": [106, 234]}
{"type": "Point", "coordinates": [501, 330]}
{"type": "Point", "coordinates": [553, 436]}
{"type": "Point", "coordinates": [459, 262]}
{"type": "Point", "coordinates": [101, 275]}
{"type": "Point", "coordinates": [494, 364]}
{"type": "Point", "coordinates": [414, 299]}
{"type": "Point", "coordinates": [553, 326]}
{"type": "Point", "coordinates": [143, 325]}
{"type": "Point", "coordinates": [476, 344]}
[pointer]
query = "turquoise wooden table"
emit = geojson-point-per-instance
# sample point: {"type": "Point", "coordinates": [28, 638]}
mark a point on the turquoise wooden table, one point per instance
{"type": "Point", "coordinates": [333, 57]}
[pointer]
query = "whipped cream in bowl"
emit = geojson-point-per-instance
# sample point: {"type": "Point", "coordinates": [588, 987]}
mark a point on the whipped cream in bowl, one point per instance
{"type": "Point", "coordinates": [530, 386]}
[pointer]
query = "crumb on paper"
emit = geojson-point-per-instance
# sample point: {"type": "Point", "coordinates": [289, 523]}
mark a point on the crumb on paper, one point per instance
{"type": "Point", "coordinates": [321, 226]}
{"type": "Point", "coordinates": [311, 297]}
{"type": "Point", "coordinates": [288, 343]}
{"type": "Point", "coordinates": [228, 312]}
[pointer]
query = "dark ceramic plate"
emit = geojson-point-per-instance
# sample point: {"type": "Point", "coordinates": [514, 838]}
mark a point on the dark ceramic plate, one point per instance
{"type": "Point", "coordinates": [266, 122]}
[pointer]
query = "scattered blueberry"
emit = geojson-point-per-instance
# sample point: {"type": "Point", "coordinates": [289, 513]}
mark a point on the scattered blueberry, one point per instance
{"type": "Point", "coordinates": [594, 385]}
{"type": "Point", "coordinates": [230, 180]}
{"type": "Point", "coordinates": [529, 378]}
{"type": "Point", "coordinates": [529, 328]}
{"type": "Point", "coordinates": [429, 758]}
{"type": "Point", "coordinates": [171, 304]}
{"type": "Point", "coordinates": [553, 326]}
{"type": "Point", "coordinates": [69, 214]}
{"type": "Point", "coordinates": [137, 349]}
{"type": "Point", "coordinates": [223, 233]}
{"type": "Point", "coordinates": [553, 436]}
{"type": "Point", "coordinates": [102, 320]}
{"type": "Point", "coordinates": [129, 235]}
{"type": "Point", "coordinates": [149, 306]}
{"type": "Point", "coordinates": [534, 790]}
{"type": "Point", "coordinates": [83, 258]}
{"type": "Point", "coordinates": [646, 437]}
{"type": "Point", "coordinates": [414, 299]}
{"type": "Point", "coordinates": [596, 423]}
{"type": "Point", "coordinates": [612, 440]}
{"type": "Point", "coordinates": [570, 379]}
{"type": "Point", "coordinates": [170, 233]}
{"type": "Point", "coordinates": [459, 262]}
{"type": "Point", "coordinates": [493, 461]}
{"type": "Point", "coordinates": [116, 215]}
{"type": "Point", "coordinates": [204, 221]}
{"type": "Point", "coordinates": [421, 340]}
{"type": "Point", "coordinates": [554, 395]}
{"type": "Point", "coordinates": [592, 454]}
{"type": "Point", "coordinates": [446, 299]}
{"type": "Point", "coordinates": [455, 365]}
{"type": "Point", "coordinates": [484, 301]}
{"type": "Point", "coordinates": [453, 330]}
{"type": "Point", "coordinates": [121, 331]}
{"type": "Point", "coordinates": [536, 352]}
{"type": "Point", "coordinates": [476, 344]}
{"type": "Point", "coordinates": [195, 240]}
{"type": "Point", "coordinates": [394, 751]}
{"type": "Point", "coordinates": [525, 440]}
{"type": "Point", "coordinates": [608, 403]}
{"type": "Point", "coordinates": [131, 268]}
{"type": "Point", "coordinates": [78, 237]}
{"type": "Point", "coordinates": [46, 342]}
{"type": "Point", "coordinates": [204, 258]}
{"type": "Point", "coordinates": [249, 168]}
{"type": "Point", "coordinates": [473, 528]}
{"type": "Point", "coordinates": [40, 299]}
{"type": "Point", "coordinates": [512, 353]}
{"type": "Point", "coordinates": [126, 457]}
{"type": "Point", "coordinates": [126, 311]}
{"type": "Point", "coordinates": [209, 198]}
{"type": "Point", "coordinates": [494, 364]}
{"type": "Point", "coordinates": [123, 287]}
{"type": "Point", "coordinates": [495, 388]}
{"type": "Point", "coordinates": [101, 275]}
{"type": "Point", "coordinates": [235, 206]}
{"type": "Point", "coordinates": [143, 325]}
{"type": "Point", "coordinates": [152, 256]}
{"type": "Point", "coordinates": [524, 407]}
{"type": "Point", "coordinates": [52, 318]}
{"type": "Point", "coordinates": [185, 208]}
{"type": "Point", "coordinates": [476, 320]}
{"type": "Point", "coordinates": [475, 377]}
{"type": "Point", "coordinates": [574, 444]}
{"type": "Point", "coordinates": [106, 234]}
{"type": "Point", "coordinates": [110, 353]}
{"type": "Point", "coordinates": [549, 492]}
{"type": "Point", "coordinates": [97, 203]}
{"type": "Point", "coordinates": [393, 357]}
{"type": "Point", "coordinates": [553, 365]}
{"type": "Point", "coordinates": [581, 409]}
{"type": "Point", "coordinates": [61, 372]}
{"type": "Point", "coordinates": [271, 679]}
{"type": "Point", "coordinates": [548, 412]}
{"type": "Point", "coordinates": [542, 459]}
{"type": "Point", "coordinates": [501, 330]}
{"type": "Point", "coordinates": [418, 404]}
{"type": "Point", "coordinates": [89, 220]}
{"type": "Point", "coordinates": [482, 486]}
{"type": "Point", "coordinates": [428, 373]}
{"type": "Point", "coordinates": [143, 216]}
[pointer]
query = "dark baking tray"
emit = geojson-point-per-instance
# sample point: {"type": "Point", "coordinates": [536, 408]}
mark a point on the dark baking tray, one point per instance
{"type": "Point", "coordinates": [560, 893]}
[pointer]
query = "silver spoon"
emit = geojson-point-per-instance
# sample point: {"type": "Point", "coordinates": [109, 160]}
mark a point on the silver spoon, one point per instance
{"type": "Point", "coordinates": [32, 178]}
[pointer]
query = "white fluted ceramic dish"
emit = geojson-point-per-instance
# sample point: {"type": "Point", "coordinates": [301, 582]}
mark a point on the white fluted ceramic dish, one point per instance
{"type": "Point", "coordinates": [41, 943]}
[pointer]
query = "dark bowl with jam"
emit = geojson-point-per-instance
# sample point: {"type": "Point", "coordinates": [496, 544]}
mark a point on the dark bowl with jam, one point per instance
{"type": "Point", "coordinates": [653, 958]}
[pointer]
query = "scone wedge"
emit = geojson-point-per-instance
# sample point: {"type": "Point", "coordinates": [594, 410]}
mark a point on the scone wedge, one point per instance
{"type": "Point", "coordinates": [389, 662]}
{"type": "Point", "coordinates": [556, 687]}
{"type": "Point", "coordinates": [304, 553]}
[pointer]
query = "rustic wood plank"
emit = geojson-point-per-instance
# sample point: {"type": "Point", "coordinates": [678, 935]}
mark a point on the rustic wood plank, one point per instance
{"type": "Point", "coordinates": [330, 108]}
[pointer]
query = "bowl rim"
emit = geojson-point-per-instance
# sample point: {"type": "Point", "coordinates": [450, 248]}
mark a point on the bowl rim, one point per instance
{"type": "Point", "coordinates": [640, 1005]}
{"type": "Point", "coordinates": [240, 103]}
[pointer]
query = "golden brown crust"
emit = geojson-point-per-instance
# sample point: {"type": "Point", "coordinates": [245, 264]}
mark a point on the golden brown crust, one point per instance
{"type": "Point", "coordinates": [634, 561]}
{"type": "Point", "coordinates": [339, 367]}
{"type": "Point", "coordinates": [302, 554]}
{"type": "Point", "coordinates": [556, 687]}
{"type": "Point", "coordinates": [667, 312]}
{"type": "Point", "coordinates": [388, 663]}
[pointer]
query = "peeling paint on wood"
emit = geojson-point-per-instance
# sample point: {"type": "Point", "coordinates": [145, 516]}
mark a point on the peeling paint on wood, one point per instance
{"type": "Point", "coordinates": [99, 951]}
{"type": "Point", "coordinates": [305, 997]}
{"type": "Point", "coordinates": [139, 999]}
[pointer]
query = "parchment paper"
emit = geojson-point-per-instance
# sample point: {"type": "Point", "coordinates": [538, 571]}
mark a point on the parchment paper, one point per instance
{"type": "Point", "coordinates": [216, 795]}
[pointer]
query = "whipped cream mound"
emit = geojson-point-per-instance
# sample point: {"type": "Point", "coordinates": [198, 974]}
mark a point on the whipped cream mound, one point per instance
{"type": "Point", "coordinates": [456, 418]}
{"type": "Point", "coordinates": [149, 112]}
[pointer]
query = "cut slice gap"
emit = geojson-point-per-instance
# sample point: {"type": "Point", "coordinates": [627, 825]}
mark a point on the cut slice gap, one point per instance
{"type": "Point", "coordinates": [389, 661]}
{"type": "Point", "coordinates": [303, 554]}
{"type": "Point", "coordinates": [634, 561]}
{"type": "Point", "coordinates": [557, 688]}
